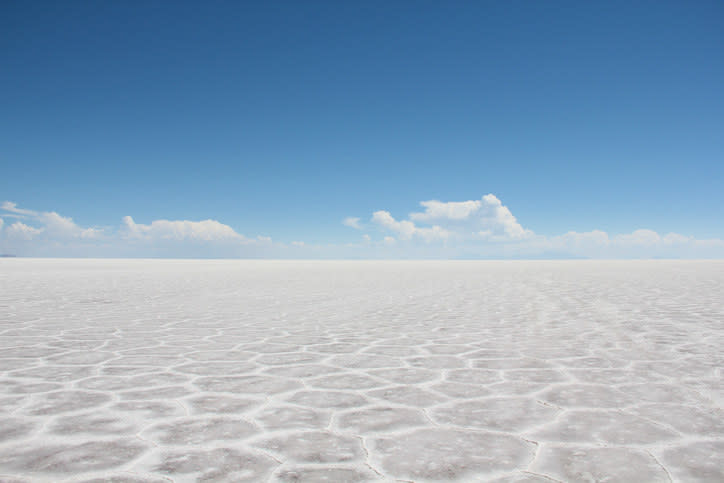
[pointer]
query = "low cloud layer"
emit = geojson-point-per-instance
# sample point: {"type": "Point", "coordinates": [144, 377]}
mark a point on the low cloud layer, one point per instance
{"type": "Point", "coordinates": [485, 219]}
{"type": "Point", "coordinates": [486, 228]}
{"type": "Point", "coordinates": [48, 225]}
{"type": "Point", "coordinates": [483, 228]}
{"type": "Point", "coordinates": [35, 233]}
{"type": "Point", "coordinates": [181, 230]}
{"type": "Point", "coordinates": [406, 230]}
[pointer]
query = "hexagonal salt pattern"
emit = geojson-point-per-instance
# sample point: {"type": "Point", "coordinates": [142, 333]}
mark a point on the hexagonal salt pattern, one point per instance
{"type": "Point", "coordinates": [149, 371]}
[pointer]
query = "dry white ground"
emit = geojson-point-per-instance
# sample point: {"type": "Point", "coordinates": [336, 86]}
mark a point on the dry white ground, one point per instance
{"type": "Point", "coordinates": [138, 370]}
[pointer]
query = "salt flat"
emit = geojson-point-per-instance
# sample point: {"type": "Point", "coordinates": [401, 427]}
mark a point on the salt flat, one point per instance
{"type": "Point", "coordinates": [146, 370]}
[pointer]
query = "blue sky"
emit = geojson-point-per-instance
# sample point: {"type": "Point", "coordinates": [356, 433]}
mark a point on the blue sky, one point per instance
{"type": "Point", "coordinates": [282, 119]}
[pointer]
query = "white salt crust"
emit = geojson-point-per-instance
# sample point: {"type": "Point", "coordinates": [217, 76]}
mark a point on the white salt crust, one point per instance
{"type": "Point", "coordinates": [530, 371]}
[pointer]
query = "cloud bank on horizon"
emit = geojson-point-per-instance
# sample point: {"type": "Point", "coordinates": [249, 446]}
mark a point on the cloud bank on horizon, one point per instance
{"type": "Point", "coordinates": [483, 228]}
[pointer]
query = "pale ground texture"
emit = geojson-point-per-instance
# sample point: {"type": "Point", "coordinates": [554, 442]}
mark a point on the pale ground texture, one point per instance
{"type": "Point", "coordinates": [152, 371]}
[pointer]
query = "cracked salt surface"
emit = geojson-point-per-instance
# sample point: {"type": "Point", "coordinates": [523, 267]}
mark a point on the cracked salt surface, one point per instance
{"type": "Point", "coordinates": [152, 371]}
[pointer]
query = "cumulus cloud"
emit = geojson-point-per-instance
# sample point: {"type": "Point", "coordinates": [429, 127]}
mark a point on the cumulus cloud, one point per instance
{"type": "Point", "coordinates": [206, 230]}
{"type": "Point", "coordinates": [487, 228]}
{"type": "Point", "coordinates": [642, 237]}
{"type": "Point", "coordinates": [64, 227]}
{"type": "Point", "coordinates": [483, 228]}
{"type": "Point", "coordinates": [406, 229]}
{"type": "Point", "coordinates": [486, 218]}
{"type": "Point", "coordinates": [21, 231]}
{"type": "Point", "coordinates": [50, 223]}
{"type": "Point", "coordinates": [352, 222]}
{"type": "Point", "coordinates": [446, 211]}
{"type": "Point", "coordinates": [578, 239]}
{"type": "Point", "coordinates": [676, 239]}
{"type": "Point", "coordinates": [642, 243]}
{"type": "Point", "coordinates": [49, 233]}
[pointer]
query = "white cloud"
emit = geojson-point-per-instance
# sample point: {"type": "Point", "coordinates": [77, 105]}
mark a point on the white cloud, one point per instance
{"type": "Point", "coordinates": [486, 218]}
{"type": "Point", "coordinates": [649, 238]}
{"type": "Point", "coordinates": [452, 210]}
{"type": "Point", "coordinates": [580, 241]}
{"type": "Point", "coordinates": [352, 222]}
{"type": "Point", "coordinates": [50, 223]}
{"type": "Point", "coordinates": [676, 239]}
{"type": "Point", "coordinates": [22, 231]}
{"type": "Point", "coordinates": [51, 234]}
{"type": "Point", "coordinates": [710, 244]}
{"type": "Point", "coordinates": [406, 229]}
{"type": "Point", "coordinates": [90, 233]}
{"type": "Point", "coordinates": [59, 226]}
{"type": "Point", "coordinates": [497, 216]}
{"type": "Point", "coordinates": [487, 228]}
{"type": "Point", "coordinates": [206, 230]}
{"type": "Point", "coordinates": [642, 243]}
{"type": "Point", "coordinates": [482, 228]}
{"type": "Point", "coordinates": [640, 237]}
{"type": "Point", "coordinates": [13, 208]}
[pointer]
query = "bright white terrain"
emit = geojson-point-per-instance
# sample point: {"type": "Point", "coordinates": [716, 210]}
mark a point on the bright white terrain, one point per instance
{"type": "Point", "coordinates": [140, 370]}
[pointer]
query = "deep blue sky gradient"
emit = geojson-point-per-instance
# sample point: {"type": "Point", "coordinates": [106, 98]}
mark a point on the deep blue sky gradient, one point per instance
{"type": "Point", "coordinates": [282, 118]}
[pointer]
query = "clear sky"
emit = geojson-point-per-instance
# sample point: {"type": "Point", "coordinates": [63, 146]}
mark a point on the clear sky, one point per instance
{"type": "Point", "coordinates": [587, 122]}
